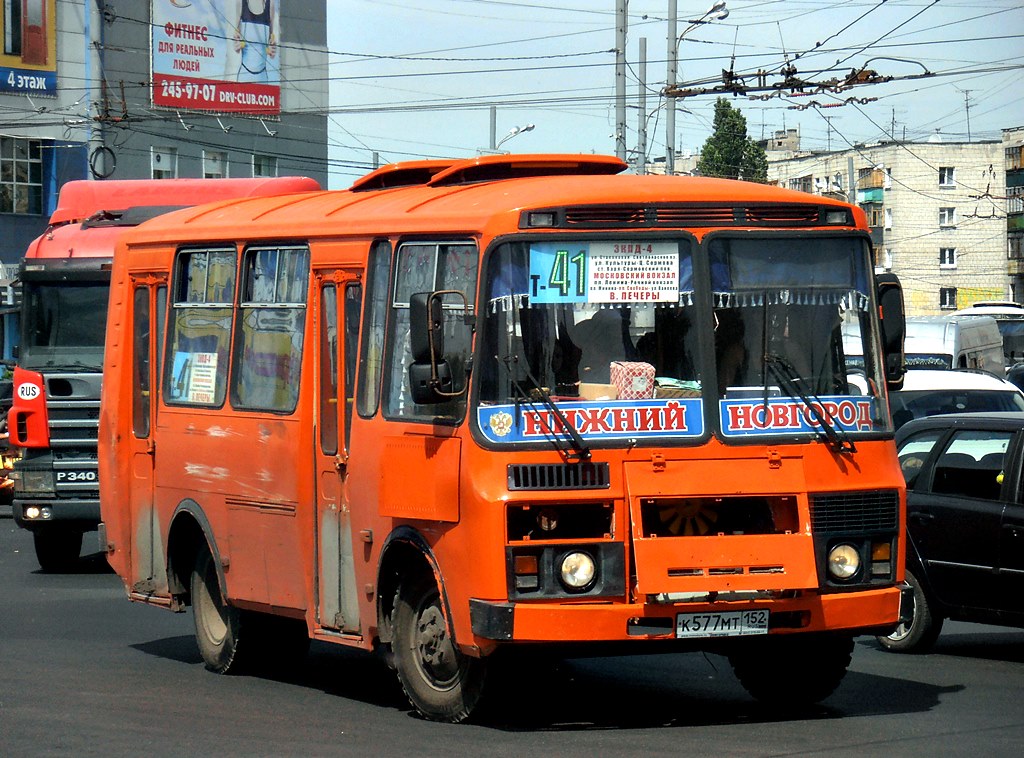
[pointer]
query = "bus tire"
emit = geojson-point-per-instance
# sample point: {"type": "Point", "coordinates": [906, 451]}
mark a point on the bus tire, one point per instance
{"type": "Point", "coordinates": [440, 682]}
{"type": "Point", "coordinates": [57, 550]}
{"type": "Point", "coordinates": [919, 634]}
{"type": "Point", "coordinates": [794, 670]}
{"type": "Point", "coordinates": [218, 625]}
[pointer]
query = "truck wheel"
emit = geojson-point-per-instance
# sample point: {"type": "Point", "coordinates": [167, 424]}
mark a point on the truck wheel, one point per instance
{"type": "Point", "coordinates": [795, 670]}
{"type": "Point", "coordinates": [440, 682]}
{"type": "Point", "coordinates": [919, 633]}
{"type": "Point", "coordinates": [218, 625]}
{"type": "Point", "coordinates": [57, 549]}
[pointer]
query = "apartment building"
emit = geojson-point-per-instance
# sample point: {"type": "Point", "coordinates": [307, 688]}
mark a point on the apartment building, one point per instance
{"type": "Point", "coordinates": [937, 211]}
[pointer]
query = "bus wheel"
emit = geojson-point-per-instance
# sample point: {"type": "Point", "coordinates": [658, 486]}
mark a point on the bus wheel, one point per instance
{"type": "Point", "coordinates": [792, 670]}
{"type": "Point", "coordinates": [218, 625]}
{"type": "Point", "coordinates": [440, 682]}
{"type": "Point", "coordinates": [919, 633]}
{"type": "Point", "coordinates": [57, 549]}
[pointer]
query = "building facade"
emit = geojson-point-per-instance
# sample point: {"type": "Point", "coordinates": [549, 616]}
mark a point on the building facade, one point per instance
{"type": "Point", "coordinates": [937, 212]}
{"type": "Point", "coordinates": [159, 89]}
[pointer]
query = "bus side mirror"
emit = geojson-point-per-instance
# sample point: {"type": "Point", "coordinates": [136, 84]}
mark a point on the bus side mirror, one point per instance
{"type": "Point", "coordinates": [426, 327]}
{"type": "Point", "coordinates": [892, 318]}
{"type": "Point", "coordinates": [430, 375]}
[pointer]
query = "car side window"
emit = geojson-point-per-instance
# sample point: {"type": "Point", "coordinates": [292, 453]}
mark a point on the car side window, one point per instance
{"type": "Point", "coordinates": [914, 452]}
{"type": "Point", "coordinates": [972, 464]}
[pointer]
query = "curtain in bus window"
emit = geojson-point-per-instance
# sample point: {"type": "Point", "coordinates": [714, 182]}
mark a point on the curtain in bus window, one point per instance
{"type": "Point", "coordinates": [200, 331]}
{"type": "Point", "coordinates": [268, 347]}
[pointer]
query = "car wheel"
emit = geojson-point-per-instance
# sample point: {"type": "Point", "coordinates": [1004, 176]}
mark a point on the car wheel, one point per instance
{"type": "Point", "coordinates": [57, 550]}
{"type": "Point", "coordinates": [920, 631]}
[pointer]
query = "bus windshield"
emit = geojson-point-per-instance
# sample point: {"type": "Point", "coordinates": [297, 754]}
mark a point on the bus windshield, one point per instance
{"type": "Point", "coordinates": [640, 340]}
{"type": "Point", "coordinates": [64, 325]}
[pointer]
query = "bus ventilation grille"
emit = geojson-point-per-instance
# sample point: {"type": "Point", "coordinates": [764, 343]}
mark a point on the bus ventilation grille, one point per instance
{"type": "Point", "coordinates": [558, 476]}
{"type": "Point", "coordinates": [695, 215]}
{"type": "Point", "coordinates": [855, 512]}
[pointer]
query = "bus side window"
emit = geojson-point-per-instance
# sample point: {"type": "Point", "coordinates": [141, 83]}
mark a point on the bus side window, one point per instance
{"type": "Point", "coordinates": [199, 334]}
{"type": "Point", "coordinates": [353, 301]}
{"type": "Point", "coordinates": [328, 421]}
{"type": "Point", "coordinates": [271, 323]}
{"type": "Point", "coordinates": [426, 267]}
{"type": "Point", "coordinates": [375, 311]}
{"type": "Point", "coordinates": [141, 389]}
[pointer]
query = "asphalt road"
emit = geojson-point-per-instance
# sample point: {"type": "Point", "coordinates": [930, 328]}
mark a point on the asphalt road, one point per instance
{"type": "Point", "coordinates": [85, 672]}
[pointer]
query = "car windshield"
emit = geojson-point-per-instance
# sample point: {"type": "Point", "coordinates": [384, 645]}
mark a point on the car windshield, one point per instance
{"type": "Point", "coordinates": [910, 404]}
{"type": "Point", "coordinates": [639, 339]}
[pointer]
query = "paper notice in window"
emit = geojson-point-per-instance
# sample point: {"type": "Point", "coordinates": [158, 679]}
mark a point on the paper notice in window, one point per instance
{"type": "Point", "coordinates": [202, 381]}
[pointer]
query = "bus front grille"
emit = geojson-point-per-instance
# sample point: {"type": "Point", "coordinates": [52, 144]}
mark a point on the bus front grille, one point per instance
{"type": "Point", "coordinates": [558, 476]}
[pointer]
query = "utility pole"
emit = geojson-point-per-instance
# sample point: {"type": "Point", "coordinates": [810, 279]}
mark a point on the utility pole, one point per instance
{"type": "Point", "coordinates": [94, 75]}
{"type": "Point", "coordinates": [967, 107]}
{"type": "Point", "coordinates": [641, 127]}
{"type": "Point", "coordinates": [620, 79]}
{"type": "Point", "coordinates": [670, 81]}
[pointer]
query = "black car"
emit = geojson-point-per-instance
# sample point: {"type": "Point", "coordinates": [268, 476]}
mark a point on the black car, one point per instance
{"type": "Point", "coordinates": [965, 519]}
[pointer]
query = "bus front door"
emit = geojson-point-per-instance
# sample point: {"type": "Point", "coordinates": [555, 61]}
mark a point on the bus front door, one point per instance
{"type": "Point", "coordinates": [149, 304]}
{"type": "Point", "coordinates": [339, 296]}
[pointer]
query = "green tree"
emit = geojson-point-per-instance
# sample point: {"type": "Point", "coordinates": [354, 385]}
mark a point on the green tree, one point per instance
{"type": "Point", "coordinates": [729, 153]}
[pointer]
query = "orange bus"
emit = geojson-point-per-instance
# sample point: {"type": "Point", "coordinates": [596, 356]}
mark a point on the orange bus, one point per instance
{"type": "Point", "coordinates": [469, 408]}
{"type": "Point", "coordinates": [65, 279]}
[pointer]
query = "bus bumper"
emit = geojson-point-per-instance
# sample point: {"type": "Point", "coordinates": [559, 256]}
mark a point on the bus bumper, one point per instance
{"type": "Point", "coordinates": [861, 612]}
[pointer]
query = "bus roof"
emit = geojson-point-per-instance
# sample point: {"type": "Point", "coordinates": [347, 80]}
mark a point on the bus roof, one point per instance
{"type": "Point", "coordinates": [491, 192]}
{"type": "Point", "coordinates": [78, 200]}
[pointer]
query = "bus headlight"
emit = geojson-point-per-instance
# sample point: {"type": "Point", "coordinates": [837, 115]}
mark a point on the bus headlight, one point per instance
{"type": "Point", "coordinates": [34, 481]}
{"type": "Point", "coordinates": [577, 570]}
{"type": "Point", "coordinates": [843, 561]}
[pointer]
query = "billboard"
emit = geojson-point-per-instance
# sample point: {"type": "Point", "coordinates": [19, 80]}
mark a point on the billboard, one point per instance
{"type": "Point", "coordinates": [28, 59]}
{"type": "Point", "coordinates": [212, 55]}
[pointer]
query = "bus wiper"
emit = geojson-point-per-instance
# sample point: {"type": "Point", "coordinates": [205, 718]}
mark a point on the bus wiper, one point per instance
{"type": "Point", "coordinates": [570, 444]}
{"type": "Point", "coordinates": [789, 379]}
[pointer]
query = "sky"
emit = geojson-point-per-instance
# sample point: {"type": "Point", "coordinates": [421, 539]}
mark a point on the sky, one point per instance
{"type": "Point", "coordinates": [414, 79]}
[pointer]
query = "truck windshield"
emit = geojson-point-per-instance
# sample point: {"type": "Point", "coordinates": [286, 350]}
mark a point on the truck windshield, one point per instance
{"type": "Point", "coordinates": [64, 325]}
{"type": "Point", "coordinates": [634, 343]}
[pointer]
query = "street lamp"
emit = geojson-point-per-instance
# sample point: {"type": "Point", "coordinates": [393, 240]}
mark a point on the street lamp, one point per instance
{"type": "Point", "coordinates": [716, 12]}
{"type": "Point", "coordinates": [513, 132]}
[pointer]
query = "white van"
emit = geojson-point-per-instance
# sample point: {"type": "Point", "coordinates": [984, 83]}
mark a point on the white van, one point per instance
{"type": "Point", "coordinates": [1010, 320]}
{"type": "Point", "coordinates": [955, 341]}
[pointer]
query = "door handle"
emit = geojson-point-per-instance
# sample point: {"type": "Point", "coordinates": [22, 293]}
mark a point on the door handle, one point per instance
{"type": "Point", "coordinates": [922, 518]}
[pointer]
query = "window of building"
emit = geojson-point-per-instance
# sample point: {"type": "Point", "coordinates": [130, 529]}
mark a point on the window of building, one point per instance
{"type": "Point", "coordinates": [199, 336]}
{"type": "Point", "coordinates": [264, 165]}
{"type": "Point", "coordinates": [12, 27]}
{"type": "Point", "coordinates": [271, 324]}
{"type": "Point", "coordinates": [165, 162]}
{"type": "Point", "coordinates": [947, 298]}
{"type": "Point", "coordinates": [888, 218]}
{"type": "Point", "coordinates": [947, 257]}
{"type": "Point", "coordinates": [21, 175]}
{"type": "Point", "coordinates": [886, 259]}
{"type": "Point", "coordinates": [947, 216]}
{"type": "Point", "coordinates": [1015, 245]}
{"type": "Point", "coordinates": [887, 179]}
{"type": "Point", "coordinates": [1013, 158]}
{"type": "Point", "coordinates": [1014, 200]}
{"type": "Point", "coordinates": [875, 215]}
{"type": "Point", "coordinates": [947, 176]}
{"type": "Point", "coordinates": [215, 164]}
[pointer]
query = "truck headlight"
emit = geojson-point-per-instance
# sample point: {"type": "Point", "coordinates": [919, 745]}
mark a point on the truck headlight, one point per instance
{"type": "Point", "coordinates": [843, 561]}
